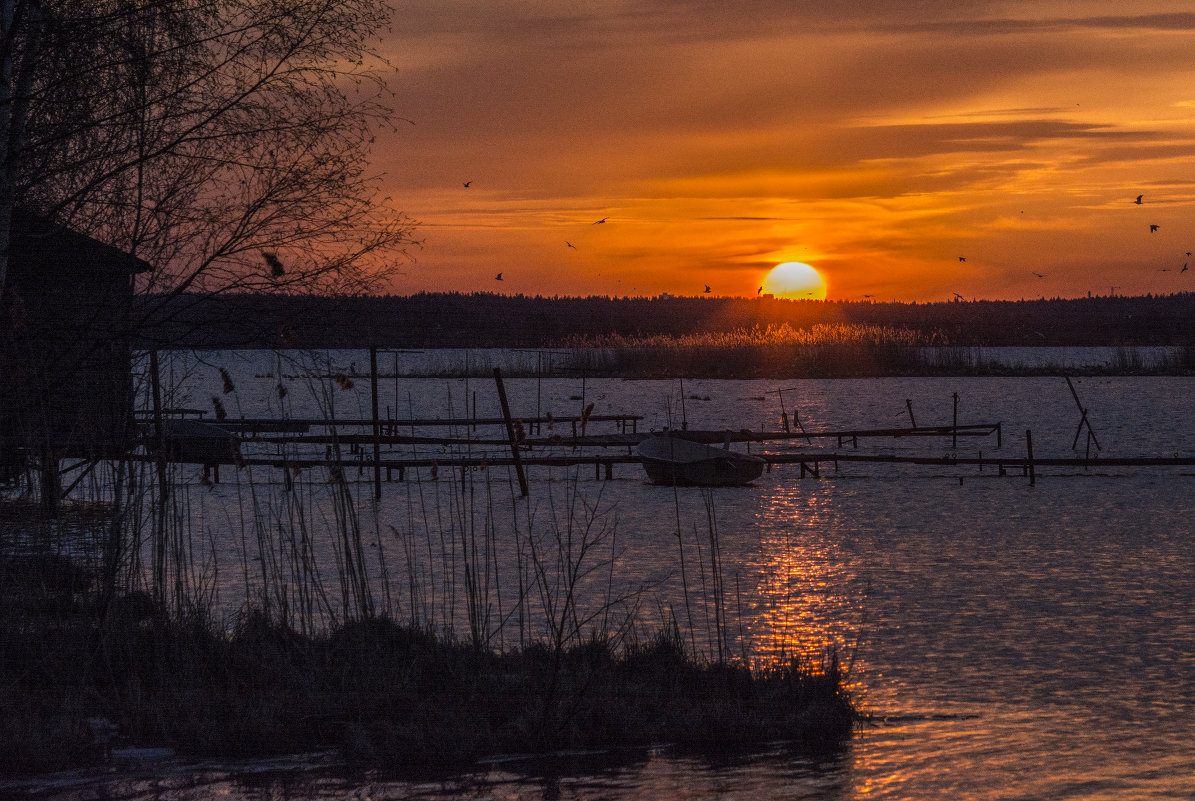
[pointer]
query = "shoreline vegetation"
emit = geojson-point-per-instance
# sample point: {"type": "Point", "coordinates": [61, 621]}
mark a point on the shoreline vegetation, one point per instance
{"type": "Point", "coordinates": [419, 645]}
{"type": "Point", "coordinates": [380, 692]}
{"type": "Point", "coordinates": [484, 320]}
{"type": "Point", "coordinates": [742, 355]}
{"type": "Point", "coordinates": [670, 337]}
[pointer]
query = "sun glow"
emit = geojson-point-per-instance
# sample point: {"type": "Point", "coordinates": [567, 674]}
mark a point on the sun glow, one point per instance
{"type": "Point", "coordinates": [795, 280]}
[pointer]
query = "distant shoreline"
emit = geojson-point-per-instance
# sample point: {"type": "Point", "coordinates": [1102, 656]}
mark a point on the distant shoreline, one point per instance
{"type": "Point", "coordinates": [482, 320]}
{"type": "Point", "coordinates": [746, 362]}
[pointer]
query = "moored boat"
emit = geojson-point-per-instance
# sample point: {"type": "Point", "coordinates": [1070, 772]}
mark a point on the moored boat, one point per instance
{"type": "Point", "coordinates": [673, 460]}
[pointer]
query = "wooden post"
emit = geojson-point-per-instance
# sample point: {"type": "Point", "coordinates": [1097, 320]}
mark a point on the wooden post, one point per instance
{"type": "Point", "coordinates": [377, 445]}
{"type": "Point", "coordinates": [1083, 421]}
{"type": "Point", "coordinates": [159, 534]}
{"type": "Point", "coordinates": [954, 429]}
{"type": "Point", "coordinates": [1029, 447]}
{"type": "Point", "coordinates": [684, 418]}
{"type": "Point", "coordinates": [510, 432]}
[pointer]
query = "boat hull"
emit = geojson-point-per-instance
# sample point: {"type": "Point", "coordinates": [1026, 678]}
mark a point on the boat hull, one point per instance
{"type": "Point", "coordinates": [675, 461]}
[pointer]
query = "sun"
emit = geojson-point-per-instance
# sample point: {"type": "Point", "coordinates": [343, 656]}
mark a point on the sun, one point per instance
{"type": "Point", "coordinates": [795, 280]}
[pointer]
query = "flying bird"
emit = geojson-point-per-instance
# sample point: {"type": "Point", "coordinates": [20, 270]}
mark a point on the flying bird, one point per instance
{"type": "Point", "coordinates": [1188, 254]}
{"type": "Point", "coordinates": [962, 258]}
{"type": "Point", "coordinates": [599, 222]}
{"type": "Point", "coordinates": [1039, 275]}
{"type": "Point", "coordinates": [570, 244]}
{"type": "Point", "coordinates": [276, 268]}
{"type": "Point", "coordinates": [467, 184]}
{"type": "Point", "coordinates": [1183, 270]}
{"type": "Point", "coordinates": [498, 277]}
{"type": "Point", "coordinates": [758, 291]}
{"type": "Point", "coordinates": [707, 288]}
{"type": "Point", "coordinates": [1153, 229]}
{"type": "Point", "coordinates": [960, 297]}
{"type": "Point", "coordinates": [1138, 200]}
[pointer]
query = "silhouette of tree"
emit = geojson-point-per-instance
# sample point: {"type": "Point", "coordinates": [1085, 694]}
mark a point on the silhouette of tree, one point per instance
{"type": "Point", "coordinates": [201, 135]}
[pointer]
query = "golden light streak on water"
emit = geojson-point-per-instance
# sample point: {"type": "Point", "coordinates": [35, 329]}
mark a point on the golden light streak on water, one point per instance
{"type": "Point", "coordinates": [805, 603]}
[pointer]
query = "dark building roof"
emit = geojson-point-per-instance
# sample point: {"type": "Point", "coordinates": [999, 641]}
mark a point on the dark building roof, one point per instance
{"type": "Point", "coordinates": [37, 242]}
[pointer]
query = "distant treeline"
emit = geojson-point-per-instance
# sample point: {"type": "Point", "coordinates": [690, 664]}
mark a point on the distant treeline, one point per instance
{"type": "Point", "coordinates": [455, 320]}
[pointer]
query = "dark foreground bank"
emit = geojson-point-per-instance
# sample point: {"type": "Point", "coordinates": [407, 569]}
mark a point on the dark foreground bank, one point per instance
{"type": "Point", "coordinates": [82, 676]}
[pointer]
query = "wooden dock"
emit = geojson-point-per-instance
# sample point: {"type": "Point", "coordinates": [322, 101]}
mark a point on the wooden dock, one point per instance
{"type": "Point", "coordinates": [342, 445]}
{"type": "Point", "coordinates": [810, 463]}
{"type": "Point", "coordinates": [333, 450]}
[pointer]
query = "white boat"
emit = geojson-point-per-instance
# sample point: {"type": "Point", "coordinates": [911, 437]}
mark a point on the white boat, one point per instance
{"type": "Point", "coordinates": [673, 460]}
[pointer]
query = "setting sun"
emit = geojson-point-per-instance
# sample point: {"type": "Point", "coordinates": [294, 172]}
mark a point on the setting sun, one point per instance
{"type": "Point", "coordinates": [795, 280]}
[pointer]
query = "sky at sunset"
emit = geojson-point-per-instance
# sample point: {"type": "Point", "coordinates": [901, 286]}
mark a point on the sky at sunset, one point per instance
{"type": "Point", "coordinates": [907, 151]}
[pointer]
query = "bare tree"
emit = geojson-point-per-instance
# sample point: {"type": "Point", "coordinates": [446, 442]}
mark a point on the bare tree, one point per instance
{"type": "Point", "coordinates": [226, 142]}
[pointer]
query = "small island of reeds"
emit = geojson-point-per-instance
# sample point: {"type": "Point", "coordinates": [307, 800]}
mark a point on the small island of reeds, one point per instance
{"type": "Point", "coordinates": [94, 661]}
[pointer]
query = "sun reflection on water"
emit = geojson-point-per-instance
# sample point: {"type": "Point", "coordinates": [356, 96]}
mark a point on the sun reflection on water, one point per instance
{"type": "Point", "coordinates": [809, 596]}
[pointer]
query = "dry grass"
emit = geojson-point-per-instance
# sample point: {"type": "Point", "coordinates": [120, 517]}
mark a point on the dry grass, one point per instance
{"type": "Point", "coordinates": [382, 693]}
{"type": "Point", "coordinates": [768, 336]}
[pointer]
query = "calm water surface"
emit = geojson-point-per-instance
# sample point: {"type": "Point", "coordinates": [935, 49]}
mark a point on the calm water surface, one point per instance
{"type": "Point", "coordinates": [1013, 642]}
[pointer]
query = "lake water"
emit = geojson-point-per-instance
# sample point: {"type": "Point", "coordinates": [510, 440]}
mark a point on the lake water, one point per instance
{"type": "Point", "coordinates": [1012, 641]}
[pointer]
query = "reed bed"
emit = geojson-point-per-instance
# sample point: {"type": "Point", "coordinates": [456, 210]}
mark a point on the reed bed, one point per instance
{"type": "Point", "coordinates": [768, 336]}
{"type": "Point", "coordinates": [823, 351]}
{"type": "Point", "coordinates": [266, 616]}
{"type": "Point", "coordinates": [690, 358]}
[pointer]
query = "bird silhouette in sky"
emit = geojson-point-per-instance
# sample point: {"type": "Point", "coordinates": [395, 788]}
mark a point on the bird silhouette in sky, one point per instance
{"type": "Point", "coordinates": [1039, 275]}
{"type": "Point", "coordinates": [1153, 229]}
{"type": "Point", "coordinates": [467, 184]}
{"type": "Point", "coordinates": [962, 258]}
{"type": "Point", "coordinates": [867, 296]}
{"type": "Point", "coordinates": [276, 268]}
{"type": "Point", "coordinates": [707, 289]}
{"type": "Point", "coordinates": [1138, 200]}
{"type": "Point", "coordinates": [570, 244]}
{"type": "Point", "coordinates": [1183, 270]}
{"type": "Point", "coordinates": [758, 291]}
{"type": "Point", "coordinates": [960, 297]}
{"type": "Point", "coordinates": [1188, 254]}
{"type": "Point", "coordinates": [599, 222]}
{"type": "Point", "coordinates": [498, 277]}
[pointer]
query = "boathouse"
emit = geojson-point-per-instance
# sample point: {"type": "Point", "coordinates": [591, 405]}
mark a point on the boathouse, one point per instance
{"type": "Point", "coordinates": [66, 349]}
